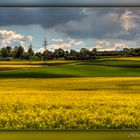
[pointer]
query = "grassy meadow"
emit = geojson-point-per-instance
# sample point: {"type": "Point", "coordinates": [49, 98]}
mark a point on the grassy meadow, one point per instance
{"type": "Point", "coordinates": [70, 95]}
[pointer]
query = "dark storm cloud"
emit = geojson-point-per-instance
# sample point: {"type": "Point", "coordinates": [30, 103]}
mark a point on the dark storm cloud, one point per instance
{"type": "Point", "coordinates": [46, 17]}
{"type": "Point", "coordinates": [103, 23]}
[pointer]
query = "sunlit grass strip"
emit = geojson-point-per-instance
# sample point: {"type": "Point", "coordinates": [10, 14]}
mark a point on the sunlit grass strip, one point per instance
{"type": "Point", "coordinates": [22, 62]}
{"type": "Point", "coordinates": [20, 66]}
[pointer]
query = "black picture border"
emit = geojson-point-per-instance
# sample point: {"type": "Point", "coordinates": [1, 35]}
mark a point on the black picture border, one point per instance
{"type": "Point", "coordinates": [91, 5]}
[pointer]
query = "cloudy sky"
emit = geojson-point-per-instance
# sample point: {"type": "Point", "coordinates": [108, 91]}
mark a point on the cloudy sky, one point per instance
{"type": "Point", "coordinates": [71, 28]}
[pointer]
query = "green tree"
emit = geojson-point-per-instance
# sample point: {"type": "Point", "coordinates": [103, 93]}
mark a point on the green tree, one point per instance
{"type": "Point", "coordinates": [18, 51]}
{"type": "Point", "coordinates": [4, 52]}
{"type": "Point", "coordinates": [47, 55]}
{"type": "Point", "coordinates": [31, 51]}
{"type": "Point", "coordinates": [38, 56]}
{"type": "Point", "coordinates": [126, 51]}
{"type": "Point", "coordinates": [94, 52]}
{"type": "Point", "coordinates": [9, 50]}
{"type": "Point", "coordinates": [25, 56]}
{"type": "Point", "coordinates": [59, 53]}
{"type": "Point", "coordinates": [85, 54]}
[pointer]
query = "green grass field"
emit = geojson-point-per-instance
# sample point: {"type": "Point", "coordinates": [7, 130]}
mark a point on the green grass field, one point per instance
{"type": "Point", "coordinates": [58, 69]}
{"type": "Point", "coordinates": [100, 94]}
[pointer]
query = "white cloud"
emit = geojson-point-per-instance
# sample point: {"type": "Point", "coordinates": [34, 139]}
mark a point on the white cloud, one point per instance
{"type": "Point", "coordinates": [86, 11]}
{"type": "Point", "coordinates": [57, 40]}
{"type": "Point", "coordinates": [29, 37]}
{"type": "Point", "coordinates": [66, 45]}
{"type": "Point", "coordinates": [128, 20]}
{"type": "Point", "coordinates": [41, 50]}
{"type": "Point", "coordinates": [75, 42]}
{"type": "Point", "coordinates": [120, 45]}
{"type": "Point", "coordinates": [103, 45]}
{"type": "Point", "coordinates": [62, 46]}
{"type": "Point", "coordinates": [11, 37]}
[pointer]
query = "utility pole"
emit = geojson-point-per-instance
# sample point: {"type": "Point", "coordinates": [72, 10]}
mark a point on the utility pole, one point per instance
{"type": "Point", "coordinates": [45, 44]}
{"type": "Point", "coordinates": [30, 45]}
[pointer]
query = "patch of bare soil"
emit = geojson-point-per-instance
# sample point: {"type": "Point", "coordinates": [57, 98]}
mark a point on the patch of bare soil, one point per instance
{"type": "Point", "coordinates": [57, 64]}
{"type": "Point", "coordinates": [4, 69]}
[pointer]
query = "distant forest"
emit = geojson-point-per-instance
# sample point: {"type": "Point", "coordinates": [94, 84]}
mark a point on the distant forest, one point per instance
{"type": "Point", "coordinates": [18, 52]}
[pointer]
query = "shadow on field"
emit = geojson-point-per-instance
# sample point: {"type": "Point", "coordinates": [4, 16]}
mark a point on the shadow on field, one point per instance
{"type": "Point", "coordinates": [35, 75]}
{"type": "Point", "coordinates": [123, 66]}
{"type": "Point", "coordinates": [69, 71]}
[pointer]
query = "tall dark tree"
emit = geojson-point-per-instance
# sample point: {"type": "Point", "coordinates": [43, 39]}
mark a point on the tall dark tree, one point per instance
{"type": "Point", "coordinates": [31, 51]}
{"type": "Point", "coordinates": [126, 51]}
{"type": "Point", "coordinates": [9, 50]}
{"type": "Point", "coordinates": [19, 51]}
{"type": "Point", "coordinates": [4, 52]}
{"type": "Point", "coordinates": [94, 52]}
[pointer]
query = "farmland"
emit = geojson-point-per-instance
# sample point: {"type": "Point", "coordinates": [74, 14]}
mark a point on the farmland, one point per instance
{"type": "Point", "coordinates": [59, 95]}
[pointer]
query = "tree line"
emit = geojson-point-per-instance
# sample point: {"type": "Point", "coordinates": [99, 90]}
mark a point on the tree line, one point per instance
{"type": "Point", "coordinates": [18, 52]}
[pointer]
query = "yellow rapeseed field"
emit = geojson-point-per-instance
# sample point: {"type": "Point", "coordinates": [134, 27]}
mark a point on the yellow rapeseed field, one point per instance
{"type": "Point", "coordinates": [125, 58]}
{"type": "Point", "coordinates": [32, 64]}
{"type": "Point", "coordinates": [70, 103]}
